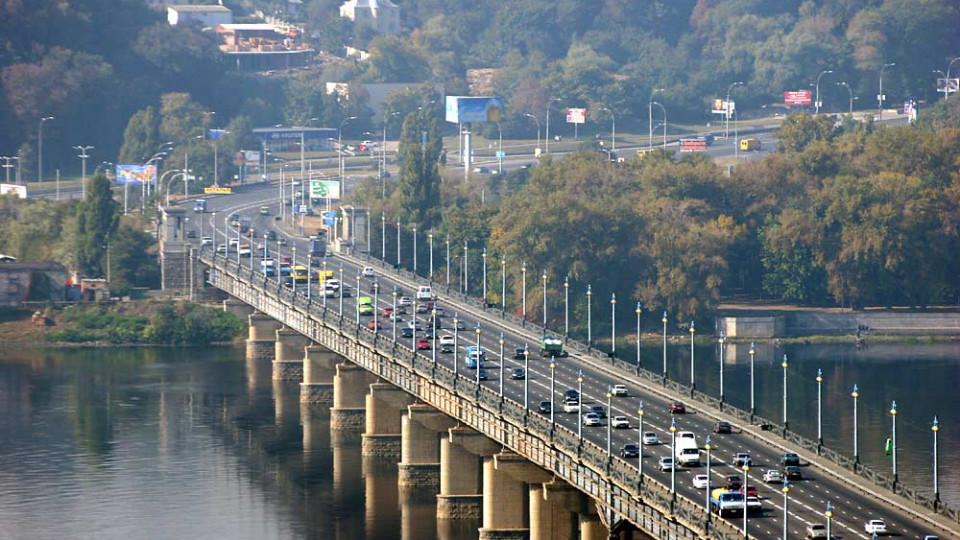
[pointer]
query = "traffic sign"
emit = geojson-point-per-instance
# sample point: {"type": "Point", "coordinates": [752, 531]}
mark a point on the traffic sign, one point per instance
{"type": "Point", "coordinates": [501, 153]}
{"type": "Point", "coordinates": [302, 209]}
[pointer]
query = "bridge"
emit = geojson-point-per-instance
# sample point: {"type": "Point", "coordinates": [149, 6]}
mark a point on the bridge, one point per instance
{"type": "Point", "coordinates": [483, 448]}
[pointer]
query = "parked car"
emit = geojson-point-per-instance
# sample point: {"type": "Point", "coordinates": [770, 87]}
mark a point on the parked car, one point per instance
{"type": "Point", "coordinates": [666, 463]}
{"type": "Point", "coordinates": [619, 390]}
{"type": "Point", "coordinates": [772, 476]}
{"type": "Point", "coordinates": [677, 408]}
{"type": "Point", "coordinates": [722, 427]}
{"type": "Point", "coordinates": [591, 419]}
{"type": "Point", "coordinates": [630, 451]}
{"type": "Point", "coordinates": [701, 481]}
{"type": "Point", "coordinates": [792, 473]}
{"type": "Point", "coordinates": [517, 374]}
{"type": "Point", "coordinates": [875, 526]}
{"type": "Point", "coordinates": [545, 407]}
{"type": "Point", "coordinates": [650, 438]}
{"type": "Point", "coordinates": [619, 422]}
{"type": "Point", "coordinates": [790, 460]}
{"type": "Point", "coordinates": [742, 459]}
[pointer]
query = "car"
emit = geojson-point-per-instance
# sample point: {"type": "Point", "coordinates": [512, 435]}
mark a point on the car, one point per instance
{"type": "Point", "coordinates": [447, 340]}
{"type": "Point", "coordinates": [591, 419]}
{"type": "Point", "coordinates": [619, 390]}
{"type": "Point", "coordinates": [722, 427]}
{"type": "Point", "coordinates": [206, 241]}
{"type": "Point", "coordinates": [395, 316]}
{"type": "Point", "coordinates": [619, 422]}
{"type": "Point", "coordinates": [415, 324]}
{"type": "Point", "coordinates": [790, 460]}
{"type": "Point", "coordinates": [518, 354]}
{"type": "Point", "coordinates": [545, 407]}
{"type": "Point", "coordinates": [424, 307]}
{"type": "Point", "coordinates": [271, 234]}
{"type": "Point", "coordinates": [598, 410]}
{"type": "Point", "coordinates": [742, 459]}
{"type": "Point", "coordinates": [406, 332]}
{"type": "Point", "coordinates": [875, 526]}
{"type": "Point", "coordinates": [518, 374]}
{"type": "Point", "coordinates": [367, 271]}
{"type": "Point", "coordinates": [816, 531]}
{"type": "Point", "coordinates": [733, 482]}
{"type": "Point", "coordinates": [677, 408]}
{"type": "Point", "coordinates": [439, 311]}
{"type": "Point", "coordinates": [481, 170]}
{"type": "Point", "coordinates": [931, 537]}
{"type": "Point", "coordinates": [405, 301]}
{"type": "Point", "coordinates": [571, 395]}
{"type": "Point", "coordinates": [570, 406]}
{"type": "Point", "coordinates": [374, 325]}
{"type": "Point", "coordinates": [345, 291]}
{"type": "Point", "coordinates": [772, 476]}
{"type": "Point", "coordinates": [221, 248]}
{"type": "Point", "coordinates": [281, 241]}
{"type": "Point", "coordinates": [630, 451]}
{"type": "Point", "coordinates": [191, 233]}
{"type": "Point", "coordinates": [666, 463]}
{"type": "Point", "coordinates": [701, 481]}
{"type": "Point", "coordinates": [754, 505]}
{"type": "Point", "coordinates": [650, 438]}
{"type": "Point", "coordinates": [792, 473]}
{"type": "Point", "coordinates": [332, 283]}
{"type": "Point", "coordinates": [429, 333]}
{"type": "Point", "coordinates": [751, 491]}
{"type": "Point", "coordinates": [387, 312]}
{"type": "Point", "coordinates": [481, 374]}
{"type": "Point", "coordinates": [423, 344]}
{"type": "Point", "coordinates": [458, 324]}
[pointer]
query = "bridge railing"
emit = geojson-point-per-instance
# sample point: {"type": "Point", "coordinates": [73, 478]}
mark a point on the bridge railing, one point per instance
{"type": "Point", "coordinates": [612, 481]}
{"type": "Point", "coordinates": [924, 499]}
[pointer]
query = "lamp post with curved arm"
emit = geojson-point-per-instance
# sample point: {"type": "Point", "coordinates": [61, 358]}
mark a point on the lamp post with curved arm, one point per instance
{"type": "Point", "coordinates": [40, 148]}
{"type": "Point", "coordinates": [817, 104]}
{"type": "Point", "coordinates": [638, 311]}
{"type": "Point", "coordinates": [726, 110]}
{"type": "Point", "coordinates": [538, 131]}
{"type": "Point", "coordinates": [880, 90]}
{"type": "Point", "coordinates": [613, 128]}
{"type": "Point", "coordinates": [650, 116]}
{"type": "Point", "coordinates": [547, 137]}
{"type": "Point", "coordinates": [502, 364]}
{"type": "Point", "coordinates": [664, 109]}
{"type": "Point", "coordinates": [850, 93]}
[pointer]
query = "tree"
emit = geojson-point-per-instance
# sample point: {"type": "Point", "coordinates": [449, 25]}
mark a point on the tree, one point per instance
{"type": "Point", "coordinates": [180, 117]}
{"type": "Point", "coordinates": [132, 263]}
{"type": "Point", "coordinates": [142, 136]}
{"type": "Point", "coordinates": [797, 131]}
{"type": "Point", "coordinates": [96, 222]}
{"type": "Point", "coordinates": [418, 187]}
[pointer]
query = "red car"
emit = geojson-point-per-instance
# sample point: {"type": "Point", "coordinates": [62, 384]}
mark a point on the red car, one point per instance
{"type": "Point", "coordinates": [677, 408]}
{"type": "Point", "coordinates": [423, 344]}
{"type": "Point", "coordinates": [387, 311]}
{"type": "Point", "coordinates": [751, 491]}
{"type": "Point", "coordinates": [374, 325]}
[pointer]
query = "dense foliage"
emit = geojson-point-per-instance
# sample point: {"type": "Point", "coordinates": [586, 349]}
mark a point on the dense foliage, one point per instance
{"type": "Point", "coordinates": [183, 324]}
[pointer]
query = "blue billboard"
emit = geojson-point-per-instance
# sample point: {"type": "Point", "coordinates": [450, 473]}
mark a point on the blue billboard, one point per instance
{"type": "Point", "coordinates": [463, 109]}
{"type": "Point", "coordinates": [136, 174]}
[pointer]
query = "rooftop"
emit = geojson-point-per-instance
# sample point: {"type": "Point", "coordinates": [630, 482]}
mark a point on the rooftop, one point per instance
{"type": "Point", "coordinates": [200, 9]}
{"type": "Point", "coordinates": [249, 27]}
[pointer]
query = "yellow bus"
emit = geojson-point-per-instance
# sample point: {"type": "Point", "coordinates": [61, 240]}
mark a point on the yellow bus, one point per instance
{"type": "Point", "coordinates": [324, 275]}
{"type": "Point", "coordinates": [301, 274]}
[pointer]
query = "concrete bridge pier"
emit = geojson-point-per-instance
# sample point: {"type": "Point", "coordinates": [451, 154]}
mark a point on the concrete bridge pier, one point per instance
{"type": "Point", "coordinates": [419, 465]}
{"type": "Point", "coordinates": [350, 386]}
{"type": "Point", "coordinates": [505, 479]}
{"type": "Point", "coordinates": [319, 367]}
{"type": "Point", "coordinates": [382, 437]}
{"type": "Point", "coordinates": [261, 336]}
{"type": "Point", "coordinates": [288, 355]}
{"type": "Point", "coordinates": [554, 509]}
{"type": "Point", "coordinates": [461, 480]}
{"type": "Point", "coordinates": [241, 309]}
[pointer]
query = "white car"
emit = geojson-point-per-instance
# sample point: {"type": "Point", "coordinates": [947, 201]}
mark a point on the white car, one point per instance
{"type": "Point", "coordinates": [772, 476]}
{"type": "Point", "coordinates": [620, 422]}
{"type": "Point", "coordinates": [571, 407]}
{"type": "Point", "coordinates": [666, 463]}
{"type": "Point", "coordinates": [701, 481]}
{"type": "Point", "coordinates": [650, 438]}
{"type": "Point", "coordinates": [332, 284]}
{"type": "Point", "coordinates": [591, 419]}
{"type": "Point", "coordinates": [415, 324]}
{"type": "Point", "coordinates": [875, 526]}
{"type": "Point", "coordinates": [206, 241]}
{"type": "Point", "coordinates": [446, 339]}
{"type": "Point", "coordinates": [404, 301]}
{"type": "Point", "coordinates": [619, 390]}
{"type": "Point", "coordinates": [367, 271]}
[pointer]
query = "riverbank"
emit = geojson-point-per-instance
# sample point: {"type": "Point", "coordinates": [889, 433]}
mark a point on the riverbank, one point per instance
{"type": "Point", "coordinates": [143, 322]}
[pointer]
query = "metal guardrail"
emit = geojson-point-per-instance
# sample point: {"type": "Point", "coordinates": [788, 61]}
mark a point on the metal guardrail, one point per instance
{"type": "Point", "coordinates": [922, 499]}
{"type": "Point", "coordinates": [612, 481]}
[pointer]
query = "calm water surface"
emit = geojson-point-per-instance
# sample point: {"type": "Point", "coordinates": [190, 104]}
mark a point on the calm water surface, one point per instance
{"type": "Point", "coordinates": [199, 443]}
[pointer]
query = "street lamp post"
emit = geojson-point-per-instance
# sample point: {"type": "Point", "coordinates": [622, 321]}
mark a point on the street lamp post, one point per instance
{"type": "Point", "coordinates": [376, 303]}
{"type": "Point", "coordinates": [523, 309]}
{"type": "Point", "coordinates": [433, 346]}
{"type": "Point", "coordinates": [526, 379]}
{"type": "Point", "coordinates": [640, 414]}
{"type": "Point", "coordinates": [609, 429]}
{"type": "Point", "coordinates": [786, 511]}
{"type": "Point", "coordinates": [566, 306]}
{"type": "Point", "coordinates": [456, 345]}
{"type": "Point", "coordinates": [936, 473]}
{"type": "Point", "coordinates": [613, 324]}
{"type": "Point", "coordinates": [483, 255]}
{"type": "Point", "coordinates": [829, 515]}
{"type": "Point", "coordinates": [589, 315]}
{"type": "Point", "coordinates": [673, 467]}
{"type": "Point", "coordinates": [503, 285]}
{"type": "Point", "coordinates": [383, 237]}
{"type": "Point", "coordinates": [817, 104]}
{"type": "Point", "coordinates": [784, 366]}
{"type": "Point", "coordinates": [726, 110]}
{"type": "Point", "coordinates": [503, 362]}
{"type": "Point", "coordinates": [753, 407]}
{"type": "Point", "coordinates": [430, 239]}
{"type": "Point", "coordinates": [579, 409]}
{"type": "Point", "coordinates": [693, 384]}
{"type": "Point", "coordinates": [553, 387]}
{"type": "Point", "coordinates": [880, 90]}
{"type": "Point", "coordinates": [893, 432]}
{"type": "Point", "coordinates": [538, 130]}
{"type": "Point", "coordinates": [448, 259]}
{"type": "Point", "coordinates": [543, 279]}
{"type": "Point", "coordinates": [650, 116]}
{"type": "Point", "coordinates": [396, 319]}
{"type": "Point", "coordinates": [293, 268]}
{"type": "Point", "coordinates": [466, 269]}
{"type": "Point", "coordinates": [83, 169]}
{"type": "Point", "coordinates": [479, 354]}
{"type": "Point", "coordinates": [613, 128]}
{"type": "Point", "coordinates": [398, 243]}
{"type": "Point", "coordinates": [746, 474]}
{"type": "Point", "coordinates": [309, 266]}
{"type": "Point", "coordinates": [856, 396]}
{"type": "Point", "coordinates": [547, 137]}
{"type": "Point", "coordinates": [850, 93]}
{"type": "Point", "coordinates": [664, 109]}
{"type": "Point", "coordinates": [323, 292]}
{"type": "Point", "coordinates": [638, 311]}
{"type": "Point", "coordinates": [706, 505]}
{"type": "Point", "coordinates": [722, 341]}
{"type": "Point", "coordinates": [358, 303]}
{"type": "Point", "coordinates": [340, 308]}
{"type": "Point", "coordinates": [40, 149]}
{"type": "Point", "coordinates": [819, 408]}
{"type": "Point", "coordinates": [664, 320]}
{"type": "Point", "coordinates": [413, 320]}
{"type": "Point", "coordinates": [414, 250]}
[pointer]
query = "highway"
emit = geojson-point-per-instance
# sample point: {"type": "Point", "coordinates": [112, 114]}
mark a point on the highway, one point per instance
{"type": "Point", "coordinates": [808, 497]}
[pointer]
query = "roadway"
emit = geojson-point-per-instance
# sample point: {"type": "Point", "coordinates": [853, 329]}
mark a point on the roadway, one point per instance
{"type": "Point", "coordinates": [807, 498]}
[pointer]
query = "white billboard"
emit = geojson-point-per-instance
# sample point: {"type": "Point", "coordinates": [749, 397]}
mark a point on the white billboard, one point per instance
{"type": "Point", "coordinates": [721, 106]}
{"type": "Point", "coordinates": [19, 191]}
{"type": "Point", "coordinates": [325, 189]}
{"type": "Point", "coordinates": [576, 116]}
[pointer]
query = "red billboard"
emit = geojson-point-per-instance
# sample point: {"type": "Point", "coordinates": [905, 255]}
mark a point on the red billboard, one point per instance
{"type": "Point", "coordinates": [797, 97]}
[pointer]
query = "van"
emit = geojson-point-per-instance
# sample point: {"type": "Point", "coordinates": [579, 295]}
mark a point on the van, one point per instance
{"type": "Point", "coordinates": [749, 144]}
{"type": "Point", "coordinates": [474, 357]}
{"type": "Point", "coordinates": [424, 293]}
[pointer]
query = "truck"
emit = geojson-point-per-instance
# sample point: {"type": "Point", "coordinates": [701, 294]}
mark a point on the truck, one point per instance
{"type": "Point", "coordinates": [749, 144]}
{"type": "Point", "coordinates": [726, 503]}
{"type": "Point", "coordinates": [200, 206]}
{"type": "Point", "coordinates": [687, 453]}
{"type": "Point", "coordinates": [268, 267]}
{"type": "Point", "coordinates": [551, 346]}
{"type": "Point", "coordinates": [474, 357]}
{"type": "Point", "coordinates": [318, 244]}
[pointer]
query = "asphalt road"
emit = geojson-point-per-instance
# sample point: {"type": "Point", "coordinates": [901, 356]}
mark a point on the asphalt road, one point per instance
{"type": "Point", "coordinates": [807, 498]}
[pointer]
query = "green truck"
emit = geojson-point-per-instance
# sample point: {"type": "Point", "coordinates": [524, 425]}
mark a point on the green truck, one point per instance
{"type": "Point", "coordinates": [551, 346]}
{"type": "Point", "coordinates": [365, 305]}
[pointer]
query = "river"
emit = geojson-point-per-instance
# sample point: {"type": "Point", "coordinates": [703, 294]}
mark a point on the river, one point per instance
{"type": "Point", "coordinates": [200, 443]}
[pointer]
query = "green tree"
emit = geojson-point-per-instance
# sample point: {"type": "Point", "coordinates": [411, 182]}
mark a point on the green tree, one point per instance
{"type": "Point", "coordinates": [180, 117]}
{"type": "Point", "coordinates": [133, 261]}
{"type": "Point", "coordinates": [418, 187]}
{"type": "Point", "coordinates": [141, 138]}
{"type": "Point", "coordinates": [797, 131]}
{"type": "Point", "coordinates": [96, 222]}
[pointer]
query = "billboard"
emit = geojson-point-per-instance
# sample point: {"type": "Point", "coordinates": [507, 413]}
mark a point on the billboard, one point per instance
{"type": "Point", "coordinates": [325, 189]}
{"type": "Point", "coordinates": [948, 85]}
{"type": "Point", "coordinates": [463, 109]}
{"type": "Point", "coordinates": [723, 107]}
{"type": "Point", "coordinates": [136, 174]}
{"type": "Point", "coordinates": [19, 191]}
{"type": "Point", "coordinates": [246, 157]}
{"type": "Point", "coordinates": [576, 116]}
{"type": "Point", "coordinates": [216, 190]}
{"type": "Point", "coordinates": [797, 97]}
{"type": "Point", "coordinates": [693, 144]}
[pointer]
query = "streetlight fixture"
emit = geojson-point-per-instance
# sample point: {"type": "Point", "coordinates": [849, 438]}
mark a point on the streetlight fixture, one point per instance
{"type": "Point", "coordinates": [856, 395]}
{"type": "Point", "coordinates": [609, 429]}
{"type": "Point", "coordinates": [589, 315]}
{"type": "Point", "coordinates": [753, 405]}
{"type": "Point", "coordinates": [850, 93]}
{"type": "Point", "coordinates": [503, 285]}
{"type": "Point", "coordinates": [293, 269]}
{"type": "Point", "coordinates": [693, 384]}
{"type": "Point", "coordinates": [613, 324]}
{"type": "Point", "coordinates": [706, 505]}
{"type": "Point", "coordinates": [673, 452]}
{"type": "Point", "coordinates": [309, 266]}
{"type": "Point", "coordinates": [383, 237]}
{"type": "Point", "coordinates": [817, 104]}
{"type": "Point", "coordinates": [638, 311]}
{"type": "Point", "coordinates": [358, 303]}
{"type": "Point", "coordinates": [553, 387]}
{"type": "Point", "coordinates": [83, 168]}
{"type": "Point", "coordinates": [483, 255]}
{"type": "Point", "coordinates": [430, 239]}
{"type": "Point", "coordinates": [613, 127]}
{"type": "Point", "coordinates": [395, 293]}
{"type": "Point", "coordinates": [413, 336]}
{"type": "Point", "coordinates": [376, 302]}
{"type": "Point", "coordinates": [523, 271]}
{"type": "Point", "coordinates": [880, 92]}
{"type": "Point", "coordinates": [664, 109]}
{"type": "Point", "coordinates": [447, 242]}
{"type": "Point", "coordinates": [466, 269]}
{"type": "Point", "coordinates": [819, 408]}
{"type": "Point", "coordinates": [526, 380]}
{"type": "Point", "coordinates": [433, 346]}
{"type": "Point", "coordinates": [456, 345]}
{"type": "Point", "coordinates": [547, 137]}
{"type": "Point", "coordinates": [566, 306]}
{"type": "Point", "coordinates": [398, 242]}
{"type": "Point", "coordinates": [722, 341]}
{"type": "Point", "coordinates": [726, 109]}
{"type": "Point", "coordinates": [538, 131]}
{"type": "Point", "coordinates": [746, 474]}
{"type": "Point", "coordinates": [650, 116]}
{"type": "Point", "coordinates": [579, 409]}
{"type": "Point", "coordinates": [414, 249]}
{"type": "Point", "coordinates": [893, 433]}
{"type": "Point", "coordinates": [503, 362]}
{"type": "Point", "coordinates": [479, 355]}
{"type": "Point", "coordinates": [340, 308]}
{"type": "Point", "coordinates": [936, 476]}
{"type": "Point", "coordinates": [640, 414]}
{"type": "Point", "coordinates": [946, 87]}
{"type": "Point", "coordinates": [543, 279]}
{"type": "Point", "coordinates": [784, 366]}
{"type": "Point", "coordinates": [40, 149]}
{"type": "Point", "coordinates": [786, 513]}
{"type": "Point", "coordinates": [664, 320]}
{"type": "Point", "coordinates": [829, 515]}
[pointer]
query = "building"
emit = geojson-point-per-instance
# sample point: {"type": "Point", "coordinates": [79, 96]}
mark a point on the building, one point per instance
{"type": "Point", "coordinates": [206, 16]}
{"type": "Point", "coordinates": [261, 47]}
{"type": "Point", "coordinates": [381, 15]}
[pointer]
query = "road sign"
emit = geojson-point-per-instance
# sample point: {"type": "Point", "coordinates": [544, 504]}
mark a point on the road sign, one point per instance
{"type": "Point", "coordinates": [302, 209]}
{"type": "Point", "coordinates": [329, 217]}
{"type": "Point", "coordinates": [501, 154]}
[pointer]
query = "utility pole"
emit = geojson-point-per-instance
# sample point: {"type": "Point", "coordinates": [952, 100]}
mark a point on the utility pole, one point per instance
{"type": "Point", "coordinates": [83, 168]}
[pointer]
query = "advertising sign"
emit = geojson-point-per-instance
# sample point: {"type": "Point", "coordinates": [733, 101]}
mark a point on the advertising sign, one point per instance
{"type": "Point", "coordinates": [19, 191]}
{"type": "Point", "coordinates": [693, 144]}
{"type": "Point", "coordinates": [325, 189]}
{"type": "Point", "coordinates": [723, 107]}
{"type": "Point", "coordinates": [246, 157]}
{"type": "Point", "coordinates": [136, 174]}
{"type": "Point", "coordinates": [948, 85]}
{"type": "Point", "coordinates": [797, 97]}
{"type": "Point", "coordinates": [576, 116]}
{"type": "Point", "coordinates": [463, 109]}
{"type": "Point", "coordinates": [215, 134]}
{"type": "Point", "coordinates": [217, 191]}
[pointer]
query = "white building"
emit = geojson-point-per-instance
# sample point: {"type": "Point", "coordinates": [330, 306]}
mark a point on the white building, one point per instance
{"type": "Point", "coordinates": [382, 15]}
{"type": "Point", "coordinates": [206, 16]}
